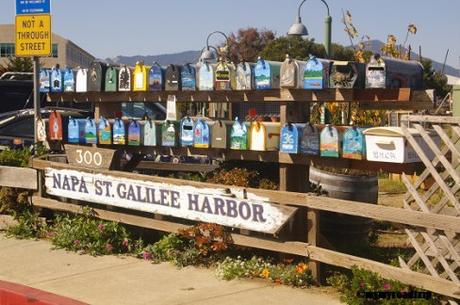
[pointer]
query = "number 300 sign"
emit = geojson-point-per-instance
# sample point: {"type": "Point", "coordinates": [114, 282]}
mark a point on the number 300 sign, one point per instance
{"type": "Point", "coordinates": [89, 157]}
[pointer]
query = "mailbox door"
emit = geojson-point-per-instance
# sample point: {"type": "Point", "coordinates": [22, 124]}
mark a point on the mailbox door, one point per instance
{"type": "Point", "coordinates": [353, 144]}
{"type": "Point", "coordinates": [206, 80]}
{"type": "Point", "coordinates": [125, 77]}
{"type": "Point", "coordinates": [223, 80]}
{"type": "Point", "coordinates": [156, 77]}
{"type": "Point", "coordinates": [56, 80]}
{"type": "Point", "coordinates": [375, 73]}
{"type": "Point", "coordinates": [309, 141]}
{"type": "Point", "coordinates": [186, 132]}
{"type": "Point", "coordinates": [257, 137]}
{"type": "Point", "coordinates": [104, 131]}
{"type": "Point", "coordinates": [111, 79]}
{"type": "Point", "coordinates": [134, 133]}
{"type": "Point", "coordinates": [119, 132]}
{"type": "Point", "coordinates": [150, 133]}
{"type": "Point", "coordinates": [90, 131]}
{"type": "Point", "coordinates": [140, 77]}
{"type": "Point", "coordinates": [73, 131]}
{"type": "Point", "coordinates": [330, 142]}
{"type": "Point", "coordinates": [289, 142]}
{"type": "Point", "coordinates": [219, 135]}
{"type": "Point", "coordinates": [245, 76]}
{"type": "Point", "coordinates": [289, 73]}
{"type": "Point", "coordinates": [96, 76]}
{"type": "Point", "coordinates": [69, 80]}
{"type": "Point", "coordinates": [188, 78]}
{"type": "Point", "coordinates": [273, 130]}
{"type": "Point", "coordinates": [313, 74]}
{"type": "Point", "coordinates": [201, 134]}
{"type": "Point", "coordinates": [55, 126]}
{"type": "Point", "coordinates": [344, 74]}
{"type": "Point", "coordinates": [173, 81]}
{"type": "Point", "coordinates": [262, 75]}
{"type": "Point", "coordinates": [44, 80]}
{"type": "Point", "coordinates": [81, 80]}
{"type": "Point", "coordinates": [239, 136]}
{"type": "Point", "coordinates": [168, 134]}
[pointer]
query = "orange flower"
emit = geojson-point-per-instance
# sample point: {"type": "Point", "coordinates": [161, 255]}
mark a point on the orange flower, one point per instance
{"type": "Point", "coordinates": [301, 268]}
{"type": "Point", "coordinates": [265, 273]}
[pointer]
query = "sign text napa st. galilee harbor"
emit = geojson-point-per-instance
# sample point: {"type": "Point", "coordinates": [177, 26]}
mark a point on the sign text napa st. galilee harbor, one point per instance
{"type": "Point", "coordinates": [246, 211]}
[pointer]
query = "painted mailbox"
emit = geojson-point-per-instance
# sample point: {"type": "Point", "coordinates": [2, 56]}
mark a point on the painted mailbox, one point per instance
{"type": "Point", "coordinates": [57, 79]}
{"type": "Point", "coordinates": [291, 73]}
{"type": "Point", "coordinates": [134, 133]}
{"type": "Point", "coordinates": [245, 76]}
{"type": "Point", "coordinates": [353, 144]}
{"type": "Point", "coordinates": [168, 134]}
{"type": "Point", "coordinates": [257, 137]}
{"type": "Point", "coordinates": [201, 134]}
{"type": "Point", "coordinates": [188, 77]}
{"type": "Point", "coordinates": [76, 131]}
{"type": "Point", "coordinates": [119, 132]}
{"type": "Point", "coordinates": [140, 77]}
{"type": "Point", "coordinates": [330, 142]}
{"type": "Point", "coordinates": [90, 131]}
{"type": "Point", "coordinates": [44, 79]}
{"type": "Point", "coordinates": [69, 80]}
{"type": "Point", "coordinates": [156, 77]}
{"type": "Point", "coordinates": [386, 72]}
{"type": "Point", "coordinates": [111, 79]}
{"type": "Point", "coordinates": [186, 131]}
{"type": "Point", "coordinates": [267, 74]}
{"type": "Point", "coordinates": [81, 80]}
{"type": "Point", "coordinates": [239, 136]}
{"type": "Point", "coordinates": [347, 74]}
{"type": "Point", "coordinates": [316, 73]}
{"type": "Point", "coordinates": [309, 140]}
{"type": "Point", "coordinates": [206, 77]}
{"type": "Point", "coordinates": [219, 135]}
{"type": "Point", "coordinates": [225, 75]}
{"type": "Point", "coordinates": [289, 142]}
{"type": "Point", "coordinates": [55, 126]}
{"type": "Point", "coordinates": [150, 133]}
{"type": "Point", "coordinates": [104, 131]}
{"type": "Point", "coordinates": [96, 76]}
{"type": "Point", "coordinates": [125, 79]}
{"type": "Point", "coordinates": [173, 79]}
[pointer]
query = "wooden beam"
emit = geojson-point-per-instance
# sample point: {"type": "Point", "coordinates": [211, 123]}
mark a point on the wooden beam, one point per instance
{"type": "Point", "coordinates": [176, 167]}
{"type": "Point", "coordinates": [20, 177]}
{"type": "Point", "coordinates": [383, 213]}
{"type": "Point", "coordinates": [415, 279]}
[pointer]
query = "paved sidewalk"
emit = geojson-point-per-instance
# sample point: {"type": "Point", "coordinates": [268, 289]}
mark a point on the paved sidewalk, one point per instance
{"type": "Point", "coordinates": [129, 281]}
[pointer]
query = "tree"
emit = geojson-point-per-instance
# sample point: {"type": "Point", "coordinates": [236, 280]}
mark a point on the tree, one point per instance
{"type": "Point", "coordinates": [248, 43]}
{"type": "Point", "coordinates": [18, 64]}
{"type": "Point", "coordinates": [435, 80]}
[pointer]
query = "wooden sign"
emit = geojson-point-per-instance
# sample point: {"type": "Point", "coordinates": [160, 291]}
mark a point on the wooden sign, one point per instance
{"type": "Point", "coordinates": [69, 80]}
{"type": "Point", "coordinates": [289, 139]}
{"type": "Point", "coordinates": [90, 131]}
{"type": "Point", "coordinates": [239, 136]}
{"type": "Point", "coordinates": [186, 132]}
{"type": "Point", "coordinates": [140, 76]}
{"type": "Point", "coordinates": [206, 79]}
{"type": "Point", "coordinates": [125, 79]}
{"type": "Point", "coordinates": [56, 80]}
{"type": "Point", "coordinates": [150, 133]}
{"type": "Point", "coordinates": [309, 140]}
{"type": "Point", "coordinates": [55, 126]}
{"type": "Point", "coordinates": [134, 133]}
{"type": "Point", "coordinates": [353, 144]}
{"type": "Point", "coordinates": [104, 132]}
{"type": "Point", "coordinates": [156, 77]}
{"type": "Point", "coordinates": [81, 80]}
{"type": "Point", "coordinates": [219, 135]}
{"type": "Point", "coordinates": [89, 157]}
{"type": "Point", "coordinates": [212, 205]}
{"type": "Point", "coordinates": [257, 137]}
{"type": "Point", "coordinates": [330, 142]}
{"type": "Point", "coordinates": [188, 78]}
{"type": "Point", "coordinates": [111, 79]}
{"type": "Point", "coordinates": [119, 132]}
{"type": "Point", "coordinates": [201, 136]}
{"type": "Point", "coordinates": [44, 80]}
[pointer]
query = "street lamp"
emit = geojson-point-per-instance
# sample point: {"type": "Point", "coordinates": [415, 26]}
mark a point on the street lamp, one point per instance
{"type": "Point", "coordinates": [208, 55]}
{"type": "Point", "coordinates": [299, 29]}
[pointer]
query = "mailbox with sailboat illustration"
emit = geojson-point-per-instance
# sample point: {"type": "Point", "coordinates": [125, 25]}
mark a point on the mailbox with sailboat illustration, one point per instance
{"type": "Point", "coordinates": [245, 76]}
{"type": "Point", "coordinates": [134, 133]}
{"type": "Point", "coordinates": [186, 131]}
{"type": "Point", "coordinates": [353, 144]}
{"type": "Point", "coordinates": [44, 79]}
{"type": "Point", "coordinates": [150, 133]}
{"type": "Point", "coordinates": [267, 74]}
{"type": "Point", "coordinates": [104, 131]}
{"type": "Point", "coordinates": [188, 77]}
{"type": "Point", "coordinates": [125, 79]}
{"type": "Point", "coordinates": [291, 73]}
{"type": "Point", "coordinates": [169, 134]}
{"type": "Point", "coordinates": [69, 80]}
{"type": "Point", "coordinates": [81, 80]}
{"type": "Point", "coordinates": [119, 132]}
{"type": "Point", "coordinates": [289, 142]}
{"type": "Point", "coordinates": [239, 135]}
{"type": "Point", "coordinates": [96, 76]}
{"type": "Point", "coordinates": [316, 73]}
{"type": "Point", "coordinates": [76, 130]}
{"type": "Point", "coordinates": [90, 131]}
{"type": "Point", "coordinates": [156, 77]}
{"type": "Point", "coordinates": [347, 74]}
{"type": "Point", "coordinates": [219, 135]}
{"type": "Point", "coordinates": [310, 140]}
{"type": "Point", "coordinates": [206, 77]}
{"type": "Point", "coordinates": [330, 142]}
{"type": "Point", "coordinates": [201, 134]}
{"type": "Point", "coordinates": [111, 79]}
{"type": "Point", "coordinates": [172, 78]}
{"type": "Point", "coordinates": [56, 84]}
{"type": "Point", "coordinates": [140, 77]}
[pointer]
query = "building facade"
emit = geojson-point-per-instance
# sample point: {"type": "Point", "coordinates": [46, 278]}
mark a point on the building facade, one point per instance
{"type": "Point", "coordinates": [64, 52]}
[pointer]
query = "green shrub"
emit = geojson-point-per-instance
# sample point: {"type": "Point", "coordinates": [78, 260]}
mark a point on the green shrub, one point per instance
{"type": "Point", "coordinates": [30, 225]}
{"type": "Point", "coordinates": [15, 157]}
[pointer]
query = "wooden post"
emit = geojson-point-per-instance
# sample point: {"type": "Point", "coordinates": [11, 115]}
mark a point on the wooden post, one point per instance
{"type": "Point", "coordinates": [294, 178]}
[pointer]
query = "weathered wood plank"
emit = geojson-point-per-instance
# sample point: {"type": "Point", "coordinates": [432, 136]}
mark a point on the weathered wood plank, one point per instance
{"type": "Point", "coordinates": [415, 279]}
{"type": "Point", "coordinates": [431, 119]}
{"type": "Point", "coordinates": [397, 215]}
{"type": "Point", "coordinates": [20, 177]}
{"type": "Point", "coordinates": [176, 167]}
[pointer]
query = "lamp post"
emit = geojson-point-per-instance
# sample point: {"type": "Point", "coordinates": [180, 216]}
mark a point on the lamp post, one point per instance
{"type": "Point", "coordinates": [299, 29]}
{"type": "Point", "coordinates": [208, 54]}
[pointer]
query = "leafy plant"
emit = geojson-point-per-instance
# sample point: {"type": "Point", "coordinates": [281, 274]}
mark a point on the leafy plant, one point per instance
{"type": "Point", "coordinates": [13, 201]}
{"type": "Point", "coordinates": [30, 225]}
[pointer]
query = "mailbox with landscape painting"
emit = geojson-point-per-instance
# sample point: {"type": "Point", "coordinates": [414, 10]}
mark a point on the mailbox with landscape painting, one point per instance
{"type": "Point", "coordinates": [316, 73]}
{"type": "Point", "coordinates": [330, 142]}
{"type": "Point", "coordinates": [310, 140]}
{"type": "Point", "coordinates": [104, 131]}
{"type": "Point", "coordinates": [347, 74]}
{"type": "Point", "coordinates": [245, 76]}
{"type": "Point", "coordinates": [186, 131]}
{"type": "Point", "coordinates": [225, 75]}
{"type": "Point", "coordinates": [69, 80]}
{"type": "Point", "coordinates": [172, 78]}
{"type": "Point", "coordinates": [76, 130]}
{"type": "Point", "coordinates": [156, 77]}
{"type": "Point", "coordinates": [140, 77]}
{"type": "Point", "coordinates": [267, 74]}
{"type": "Point", "coordinates": [353, 144]}
{"type": "Point", "coordinates": [56, 84]}
{"type": "Point", "coordinates": [291, 73]}
{"type": "Point", "coordinates": [239, 135]}
{"type": "Point", "coordinates": [44, 79]}
{"type": "Point", "coordinates": [134, 133]}
{"type": "Point", "coordinates": [90, 131]}
{"type": "Point", "coordinates": [119, 132]}
{"type": "Point", "coordinates": [150, 133]}
{"type": "Point", "coordinates": [219, 135]}
{"type": "Point", "coordinates": [386, 72]}
{"type": "Point", "coordinates": [169, 134]}
{"type": "Point", "coordinates": [188, 77]}
{"type": "Point", "coordinates": [96, 76]}
{"type": "Point", "coordinates": [201, 134]}
{"type": "Point", "coordinates": [111, 79]}
{"type": "Point", "coordinates": [206, 77]}
{"type": "Point", "coordinates": [125, 79]}
{"type": "Point", "coordinates": [289, 142]}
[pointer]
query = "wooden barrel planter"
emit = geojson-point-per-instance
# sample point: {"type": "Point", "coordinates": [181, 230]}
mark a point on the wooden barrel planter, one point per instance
{"type": "Point", "coordinates": [342, 231]}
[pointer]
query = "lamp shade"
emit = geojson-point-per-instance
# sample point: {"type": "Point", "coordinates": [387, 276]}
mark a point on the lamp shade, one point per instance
{"type": "Point", "coordinates": [208, 55]}
{"type": "Point", "coordinates": [298, 29]}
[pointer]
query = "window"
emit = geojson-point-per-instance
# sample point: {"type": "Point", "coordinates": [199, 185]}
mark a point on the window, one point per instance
{"type": "Point", "coordinates": [54, 52]}
{"type": "Point", "coordinates": [7, 49]}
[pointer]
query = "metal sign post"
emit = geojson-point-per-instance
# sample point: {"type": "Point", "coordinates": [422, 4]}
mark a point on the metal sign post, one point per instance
{"type": "Point", "coordinates": [36, 95]}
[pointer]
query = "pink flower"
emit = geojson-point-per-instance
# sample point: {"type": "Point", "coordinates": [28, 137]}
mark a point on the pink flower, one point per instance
{"type": "Point", "coordinates": [147, 255]}
{"type": "Point", "coordinates": [125, 243]}
{"type": "Point", "coordinates": [386, 286]}
{"type": "Point", "coordinates": [108, 247]}
{"type": "Point", "coordinates": [361, 285]}
{"type": "Point", "coordinates": [100, 227]}
{"type": "Point", "coordinates": [76, 242]}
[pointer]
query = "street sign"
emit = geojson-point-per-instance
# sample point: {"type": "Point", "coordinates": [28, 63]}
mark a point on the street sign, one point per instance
{"type": "Point", "coordinates": [33, 35]}
{"type": "Point", "coordinates": [33, 7]}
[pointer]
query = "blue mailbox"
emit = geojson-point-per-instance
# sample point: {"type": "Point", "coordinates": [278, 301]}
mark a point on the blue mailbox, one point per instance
{"type": "Point", "coordinates": [119, 132]}
{"type": "Point", "coordinates": [69, 80]}
{"type": "Point", "coordinates": [316, 73]}
{"type": "Point", "coordinates": [56, 84]}
{"type": "Point", "coordinates": [188, 77]}
{"type": "Point", "coordinates": [309, 140]}
{"type": "Point", "coordinates": [186, 131]}
{"type": "Point", "coordinates": [330, 142]}
{"type": "Point", "coordinates": [44, 80]}
{"type": "Point", "coordinates": [156, 77]}
{"type": "Point", "coordinates": [267, 74]}
{"type": "Point", "coordinates": [90, 131]}
{"type": "Point", "coordinates": [354, 146]}
{"type": "Point", "coordinates": [76, 130]}
{"type": "Point", "coordinates": [201, 134]}
{"type": "Point", "coordinates": [289, 140]}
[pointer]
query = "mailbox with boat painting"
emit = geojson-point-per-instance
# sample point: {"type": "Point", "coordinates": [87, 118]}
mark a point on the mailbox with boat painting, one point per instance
{"type": "Point", "coordinates": [156, 77]}
{"type": "Point", "coordinates": [330, 142]}
{"type": "Point", "coordinates": [111, 79]}
{"type": "Point", "coordinates": [267, 74]}
{"type": "Point", "coordinates": [316, 73]}
{"type": "Point", "coordinates": [119, 132]}
{"type": "Point", "coordinates": [96, 76]}
{"type": "Point", "coordinates": [201, 134]}
{"type": "Point", "coordinates": [354, 146]}
{"type": "Point", "coordinates": [104, 131]}
{"type": "Point", "coordinates": [239, 135]}
{"type": "Point", "coordinates": [310, 140]}
{"type": "Point", "coordinates": [140, 77]}
{"type": "Point", "coordinates": [245, 76]}
{"type": "Point", "coordinates": [125, 79]}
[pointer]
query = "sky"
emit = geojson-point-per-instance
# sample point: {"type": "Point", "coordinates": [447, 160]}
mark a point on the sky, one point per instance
{"type": "Point", "coordinates": [107, 28]}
